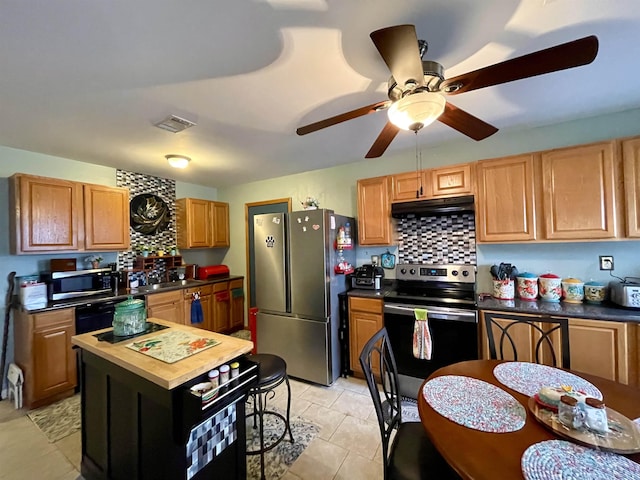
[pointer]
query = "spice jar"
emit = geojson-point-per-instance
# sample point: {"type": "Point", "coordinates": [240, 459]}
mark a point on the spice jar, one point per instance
{"type": "Point", "coordinates": [569, 412]}
{"type": "Point", "coordinates": [235, 369]}
{"type": "Point", "coordinates": [596, 415]}
{"type": "Point", "coordinates": [224, 374]}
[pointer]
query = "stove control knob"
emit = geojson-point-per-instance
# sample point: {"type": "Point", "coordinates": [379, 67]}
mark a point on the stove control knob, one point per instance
{"type": "Point", "coordinates": [465, 273]}
{"type": "Point", "coordinates": [454, 273]}
{"type": "Point", "coordinates": [403, 271]}
{"type": "Point", "coordinates": [412, 271]}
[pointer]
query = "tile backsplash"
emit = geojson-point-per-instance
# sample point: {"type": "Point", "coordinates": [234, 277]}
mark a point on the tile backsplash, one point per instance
{"type": "Point", "coordinates": [434, 240]}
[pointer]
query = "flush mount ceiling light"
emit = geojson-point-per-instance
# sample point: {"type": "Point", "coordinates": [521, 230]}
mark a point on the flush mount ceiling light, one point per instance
{"type": "Point", "coordinates": [416, 110]}
{"type": "Point", "coordinates": [178, 161]}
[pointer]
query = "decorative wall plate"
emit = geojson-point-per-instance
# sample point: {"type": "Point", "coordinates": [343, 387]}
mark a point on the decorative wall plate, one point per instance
{"type": "Point", "coordinates": [149, 214]}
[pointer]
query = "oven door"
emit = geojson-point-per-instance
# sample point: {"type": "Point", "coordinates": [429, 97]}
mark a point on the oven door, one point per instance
{"type": "Point", "coordinates": [454, 337]}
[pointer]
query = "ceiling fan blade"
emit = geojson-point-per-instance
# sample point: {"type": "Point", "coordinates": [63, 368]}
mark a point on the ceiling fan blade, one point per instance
{"type": "Point", "coordinates": [567, 55]}
{"type": "Point", "coordinates": [399, 49]}
{"type": "Point", "coordinates": [387, 134]}
{"type": "Point", "coordinates": [343, 117]}
{"type": "Point", "coordinates": [466, 123]}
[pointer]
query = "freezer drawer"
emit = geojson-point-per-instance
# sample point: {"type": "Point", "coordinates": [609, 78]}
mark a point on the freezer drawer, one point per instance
{"type": "Point", "coordinates": [302, 343]}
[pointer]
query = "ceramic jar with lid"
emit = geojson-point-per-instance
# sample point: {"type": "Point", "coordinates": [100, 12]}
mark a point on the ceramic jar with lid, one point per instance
{"type": "Point", "coordinates": [572, 290]}
{"type": "Point", "coordinates": [550, 287]}
{"type": "Point", "coordinates": [594, 292]}
{"type": "Point", "coordinates": [527, 286]}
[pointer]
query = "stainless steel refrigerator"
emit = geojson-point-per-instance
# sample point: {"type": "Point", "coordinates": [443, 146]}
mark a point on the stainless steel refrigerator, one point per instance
{"type": "Point", "coordinates": [297, 290]}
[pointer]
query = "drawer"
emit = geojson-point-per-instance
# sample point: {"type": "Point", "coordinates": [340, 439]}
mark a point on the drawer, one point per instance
{"type": "Point", "coordinates": [220, 286]}
{"type": "Point", "coordinates": [371, 305]}
{"type": "Point", "coordinates": [164, 298]}
{"type": "Point", "coordinates": [56, 318]}
{"type": "Point", "coordinates": [204, 290]}
{"type": "Point", "coordinates": [235, 284]}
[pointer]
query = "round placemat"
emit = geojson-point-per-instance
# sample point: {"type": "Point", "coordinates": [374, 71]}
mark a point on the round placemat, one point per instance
{"type": "Point", "coordinates": [474, 404]}
{"type": "Point", "coordinates": [528, 378]}
{"type": "Point", "coordinates": [558, 459]}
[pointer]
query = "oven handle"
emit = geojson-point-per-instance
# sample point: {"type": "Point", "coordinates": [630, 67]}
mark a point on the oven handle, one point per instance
{"type": "Point", "coordinates": [439, 313]}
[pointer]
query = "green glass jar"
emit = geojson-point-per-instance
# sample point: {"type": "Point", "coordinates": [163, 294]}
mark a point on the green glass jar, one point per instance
{"type": "Point", "coordinates": [130, 317]}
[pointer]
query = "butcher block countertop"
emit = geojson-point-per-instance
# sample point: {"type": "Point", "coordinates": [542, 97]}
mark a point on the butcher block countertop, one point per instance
{"type": "Point", "coordinates": [166, 375]}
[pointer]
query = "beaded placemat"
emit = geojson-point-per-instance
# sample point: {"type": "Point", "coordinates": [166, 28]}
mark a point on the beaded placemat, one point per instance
{"type": "Point", "coordinates": [528, 378]}
{"type": "Point", "coordinates": [474, 403]}
{"type": "Point", "coordinates": [559, 459]}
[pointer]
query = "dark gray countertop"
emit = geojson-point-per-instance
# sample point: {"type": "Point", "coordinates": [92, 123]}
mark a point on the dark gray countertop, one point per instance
{"type": "Point", "coordinates": [604, 311]}
{"type": "Point", "coordinates": [122, 294]}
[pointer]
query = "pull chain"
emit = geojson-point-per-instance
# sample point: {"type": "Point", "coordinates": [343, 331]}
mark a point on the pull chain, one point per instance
{"type": "Point", "coordinates": [419, 191]}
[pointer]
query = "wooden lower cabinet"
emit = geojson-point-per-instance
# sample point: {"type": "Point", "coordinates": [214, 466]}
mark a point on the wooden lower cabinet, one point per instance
{"type": "Point", "coordinates": [44, 352]}
{"type": "Point", "coordinates": [365, 319]}
{"type": "Point", "coordinates": [524, 338]}
{"type": "Point", "coordinates": [205, 293]}
{"type": "Point", "coordinates": [221, 307]}
{"type": "Point", "coordinates": [604, 348]}
{"type": "Point", "coordinates": [237, 304]}
{"type": "Point", "coordinates": [166, 306]}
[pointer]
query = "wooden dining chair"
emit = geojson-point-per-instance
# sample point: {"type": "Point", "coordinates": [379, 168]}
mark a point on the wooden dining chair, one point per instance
{"type": "Point", "coordinates": [546, 339]}
{"type": "Point", "coordinates": [410, 454]}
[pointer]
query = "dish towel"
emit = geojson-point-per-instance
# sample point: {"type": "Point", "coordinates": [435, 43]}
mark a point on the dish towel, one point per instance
{"type": "Point", "coordinates": [422, 345]}
{"type": "Point", "coordinates": [197, 316]}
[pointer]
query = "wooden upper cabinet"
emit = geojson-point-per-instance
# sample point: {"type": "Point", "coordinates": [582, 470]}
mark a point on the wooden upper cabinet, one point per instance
{"type": "Point", "coordinates": [578, 192]}
{"type": "Point", "coordinates": [202, 223]}
{"type": "Point", "coordinates": [374, 212]}
{"type": "Point", "coordinates": [506, 199]}
{"type": "Point", "coordinates": [106, 218]}
{"type": "Point", "coordinates": [48, 214]}
{"type": "Point", "coordinates": [631, 165]}
{"type": "Point", "coordinates": [450, 181]}
{"type": "Point", "coordinates": [220, 224]}
{"type": "Point", "coordinates": [407, 186]}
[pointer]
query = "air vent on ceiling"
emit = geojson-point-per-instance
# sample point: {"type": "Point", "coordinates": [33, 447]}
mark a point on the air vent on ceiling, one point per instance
{"type": "Point", "coordinates": [175, 124]}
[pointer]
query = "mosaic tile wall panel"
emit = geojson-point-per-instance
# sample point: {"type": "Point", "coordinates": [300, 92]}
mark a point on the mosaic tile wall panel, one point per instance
{"type": "Point", "coordinates": [433, 240]}
{"type": "Point", "coordinates": [139, 183]}
{"type": "Point", "coordinates": [210, 439]}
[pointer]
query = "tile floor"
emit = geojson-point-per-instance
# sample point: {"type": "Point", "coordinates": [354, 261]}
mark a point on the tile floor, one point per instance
{"type": "Point", "coordinates": [347, 446]}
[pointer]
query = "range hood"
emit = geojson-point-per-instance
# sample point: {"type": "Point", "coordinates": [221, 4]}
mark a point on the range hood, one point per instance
{"type": "Point", "coordinates": [434, 207]}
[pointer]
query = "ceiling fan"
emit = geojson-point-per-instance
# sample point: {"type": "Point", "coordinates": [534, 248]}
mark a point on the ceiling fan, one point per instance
{"type": "Point", "coordinates": [417, 86]}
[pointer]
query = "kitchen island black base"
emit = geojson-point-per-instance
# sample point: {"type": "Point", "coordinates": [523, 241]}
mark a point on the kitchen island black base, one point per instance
{"type": "Point", "coordinates": [134, 429]}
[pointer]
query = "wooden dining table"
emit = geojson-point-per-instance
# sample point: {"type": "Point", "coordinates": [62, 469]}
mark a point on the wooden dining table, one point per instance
{"type": "Point", "coordinates": [482, 455]}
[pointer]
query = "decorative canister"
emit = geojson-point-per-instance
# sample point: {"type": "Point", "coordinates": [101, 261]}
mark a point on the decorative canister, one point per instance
{"type": "Point", "coordinates": [130, 317]}
{"type": "Point", "coordinates": [527, 286]}
{"type": "Point", "coordinates": [572, 290]}
{"type": "Point", "coordinates": [550, 287]}
{"type": "Point", "coordinates": [503, 289]}
{"type": "Point", "coordinates": [594, 292]}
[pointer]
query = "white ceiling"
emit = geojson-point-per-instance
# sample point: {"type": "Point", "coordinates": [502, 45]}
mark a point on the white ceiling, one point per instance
{"type": "Point", "coordinates": [87, 79]}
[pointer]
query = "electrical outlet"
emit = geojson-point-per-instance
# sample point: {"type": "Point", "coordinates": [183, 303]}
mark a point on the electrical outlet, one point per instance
{"type": "Point", "coordinates": [606, 262]}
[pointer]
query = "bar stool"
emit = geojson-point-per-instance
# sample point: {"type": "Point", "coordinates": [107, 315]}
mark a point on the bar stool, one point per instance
{"type": "Point", "coordinates": [272, 371]}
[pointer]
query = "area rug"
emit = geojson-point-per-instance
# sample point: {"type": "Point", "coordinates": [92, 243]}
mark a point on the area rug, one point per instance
{"type": "Point", "coordinates": [243, 334]}
{"type": "Point", "coordinates": [278, 460]}
{"type": "Point", "coordinates": [59, 419]}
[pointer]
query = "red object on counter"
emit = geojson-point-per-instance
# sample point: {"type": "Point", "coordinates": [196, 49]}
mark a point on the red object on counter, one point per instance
{"type": "Point", "coordinates": [253, 318]}
{"type": "Point", "coordinates": [212, 271]}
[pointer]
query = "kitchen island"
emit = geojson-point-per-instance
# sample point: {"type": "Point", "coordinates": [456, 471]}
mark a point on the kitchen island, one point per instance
{"type": "Point", "coordinates": [141, 420]}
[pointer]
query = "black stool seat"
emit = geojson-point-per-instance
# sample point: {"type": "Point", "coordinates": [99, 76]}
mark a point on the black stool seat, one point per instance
{"type": "Point", "coordinates": [272, 371]}
{"type": "Point", "coordinates": [270, 368]}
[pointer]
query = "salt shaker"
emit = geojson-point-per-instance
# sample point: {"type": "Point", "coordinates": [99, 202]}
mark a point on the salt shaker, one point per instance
{"type": "Point", "coordinates": [224, 374]}
{"type": "Point", "coordinates": [596, 415]}
{"type": "Point", "coordinates": [569, 412]}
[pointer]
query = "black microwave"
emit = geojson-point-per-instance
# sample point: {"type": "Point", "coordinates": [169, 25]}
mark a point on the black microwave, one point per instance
{"type": "Point", "coordinates": [78, 283]}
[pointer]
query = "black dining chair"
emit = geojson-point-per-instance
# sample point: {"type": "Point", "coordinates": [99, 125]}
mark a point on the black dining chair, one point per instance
{"type": "Point", "coordinates": [409, 455]}
{"type": "Point", "coordinates": [505, 332]}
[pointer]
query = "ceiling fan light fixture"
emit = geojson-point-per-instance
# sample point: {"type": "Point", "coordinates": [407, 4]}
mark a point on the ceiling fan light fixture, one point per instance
{"type": "Point", "coordinates": [416, 110]}
{"type": "Point", "coordinates": [178, 161]}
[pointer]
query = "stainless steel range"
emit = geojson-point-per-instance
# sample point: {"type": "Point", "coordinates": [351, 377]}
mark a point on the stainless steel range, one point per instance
{"type": "Point", "coordinates": [448, 293]}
